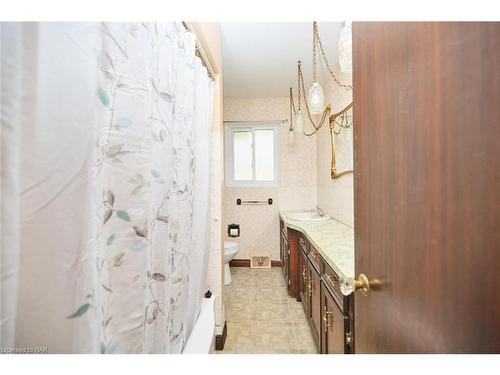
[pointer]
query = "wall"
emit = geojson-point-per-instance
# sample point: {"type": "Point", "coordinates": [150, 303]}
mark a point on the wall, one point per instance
{"type": "Point", "coordinates": [336, 197]}
{"type": "Point", "coordinates": [209, 36]}
{"type": "Point", "coordinates": [259, 225]}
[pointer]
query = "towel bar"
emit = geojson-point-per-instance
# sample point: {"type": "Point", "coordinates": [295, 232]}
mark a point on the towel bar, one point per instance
{"type": "Point", "coordinates": [239, 202]}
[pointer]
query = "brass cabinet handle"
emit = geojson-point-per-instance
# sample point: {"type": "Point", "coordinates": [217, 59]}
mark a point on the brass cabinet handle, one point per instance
{"type": "Point", "coordinates": [310, 286]}
{"type": "Point", "coordinates": [325, 318]}
{"type": "Point", "coordinates": [304, 273]}
{"type": "Point", "coordinates": [363, 284]}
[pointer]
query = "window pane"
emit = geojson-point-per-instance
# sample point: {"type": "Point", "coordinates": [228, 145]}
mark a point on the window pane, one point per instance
{"type": "Point", "coordinates": [264, 154]}
{"type": "Point", "coordinates": [242, 153]}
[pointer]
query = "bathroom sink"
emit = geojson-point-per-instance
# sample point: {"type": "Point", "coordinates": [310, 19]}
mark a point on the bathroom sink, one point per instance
{"type": "Point", "coordinates": [307, 216]}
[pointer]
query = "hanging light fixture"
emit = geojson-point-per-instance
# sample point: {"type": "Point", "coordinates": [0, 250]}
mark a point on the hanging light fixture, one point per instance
{"type": "Point", "coordinates": [315, 101]}
{"type": "Point", "coordinates": [345, 48]}
{"type": "Point", "coordinates": [316, 97]}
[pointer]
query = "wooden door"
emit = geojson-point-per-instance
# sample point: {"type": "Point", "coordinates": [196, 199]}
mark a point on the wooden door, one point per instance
{"type": "Point", "coordinates": [333, 325]}
{"type": "Point", "coordinates": [427, 186]}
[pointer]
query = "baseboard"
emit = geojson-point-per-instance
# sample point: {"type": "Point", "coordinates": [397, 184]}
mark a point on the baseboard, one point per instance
{"type": "Point", "coordinates": [246, 263]}
{"type": "Point", "coordinates": [239, 263]}
{"type": "Point", "coordinates": [220, 340]}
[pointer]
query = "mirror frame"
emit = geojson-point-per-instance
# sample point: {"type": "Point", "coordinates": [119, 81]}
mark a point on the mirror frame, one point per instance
{"type": "Point", "coordinates": [333, 170]}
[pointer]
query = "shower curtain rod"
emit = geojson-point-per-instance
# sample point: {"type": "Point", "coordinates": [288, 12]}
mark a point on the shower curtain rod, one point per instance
{"type": "Point", "coordinates": [200, 52]}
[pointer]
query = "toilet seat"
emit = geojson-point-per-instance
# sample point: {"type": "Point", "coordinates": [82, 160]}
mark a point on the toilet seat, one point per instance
{"type": "Point", "coordinates": [229, 244]}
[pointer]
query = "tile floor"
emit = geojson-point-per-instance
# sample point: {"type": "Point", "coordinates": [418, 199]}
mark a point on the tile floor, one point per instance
{"type": "Point", "coordinates": [261, 317]}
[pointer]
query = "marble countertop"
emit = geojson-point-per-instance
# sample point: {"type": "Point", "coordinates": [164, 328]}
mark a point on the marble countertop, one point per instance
{"type": "Point", "coordinates": [333, 239]}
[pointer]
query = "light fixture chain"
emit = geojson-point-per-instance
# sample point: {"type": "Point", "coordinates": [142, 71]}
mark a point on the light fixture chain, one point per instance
{"type": "Point", "coordinates": [325, 59]}
{"type": "Point", "coordinates": [315, 34]}
{"type": "Point", "coordinates": [298, 80]}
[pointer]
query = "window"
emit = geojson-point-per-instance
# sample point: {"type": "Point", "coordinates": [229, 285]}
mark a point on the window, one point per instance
{"type": "Point", "coordinates": [251, 154]}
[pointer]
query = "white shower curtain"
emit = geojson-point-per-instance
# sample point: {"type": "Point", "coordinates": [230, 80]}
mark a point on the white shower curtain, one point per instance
{"type": "Point", "coordinates": [110, 173]}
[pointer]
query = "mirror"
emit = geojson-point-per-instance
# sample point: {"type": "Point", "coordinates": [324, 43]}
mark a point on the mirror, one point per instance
{"type": "Point", "coordinates": [341, 138]}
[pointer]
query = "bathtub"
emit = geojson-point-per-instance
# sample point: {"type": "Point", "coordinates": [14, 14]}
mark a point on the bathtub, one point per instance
{"type": "Point", "coordinates": [202, 338]}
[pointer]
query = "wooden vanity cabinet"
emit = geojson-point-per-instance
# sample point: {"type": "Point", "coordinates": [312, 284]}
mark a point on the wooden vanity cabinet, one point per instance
{"type": "Point", "coordinates": [290, 258]}
{"type": "Point", "coordinates": [310, 279]}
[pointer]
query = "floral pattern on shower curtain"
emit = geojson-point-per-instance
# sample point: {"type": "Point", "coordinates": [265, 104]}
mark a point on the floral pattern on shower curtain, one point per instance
{"type": "Point", "coordinates": [149, 193]}
{"type": "Point", "coordinates": [147, 171]}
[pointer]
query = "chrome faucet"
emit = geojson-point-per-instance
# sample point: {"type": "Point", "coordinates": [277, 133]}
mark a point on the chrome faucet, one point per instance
{"type": "Point", "coordinates": [318, 211]}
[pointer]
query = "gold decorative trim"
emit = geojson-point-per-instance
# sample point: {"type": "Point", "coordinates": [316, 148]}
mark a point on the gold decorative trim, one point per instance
{"type": "Point", "coordinates": [333, 172]}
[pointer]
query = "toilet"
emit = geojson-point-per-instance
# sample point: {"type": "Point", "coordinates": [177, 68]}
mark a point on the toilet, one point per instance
{"type": "Point", "coordinates": [230, 251]}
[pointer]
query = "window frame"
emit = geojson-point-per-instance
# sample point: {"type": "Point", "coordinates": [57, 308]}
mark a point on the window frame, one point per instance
{"type": "Point", "coordinates": [229, 129]}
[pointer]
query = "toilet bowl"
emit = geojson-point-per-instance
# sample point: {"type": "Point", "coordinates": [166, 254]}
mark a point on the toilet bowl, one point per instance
{"type": "Point", "coordinates": [230, 251]}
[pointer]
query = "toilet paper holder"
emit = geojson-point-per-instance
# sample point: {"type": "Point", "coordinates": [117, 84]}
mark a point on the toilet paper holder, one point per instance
{"type": "Point", "coordinates": [233, 230]}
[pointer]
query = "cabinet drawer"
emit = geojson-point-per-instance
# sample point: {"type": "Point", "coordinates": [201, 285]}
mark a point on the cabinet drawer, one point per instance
{"type": "Point", "coordinates": [315, 257]}
{"type": "Point", "coordinates": [331, 280]}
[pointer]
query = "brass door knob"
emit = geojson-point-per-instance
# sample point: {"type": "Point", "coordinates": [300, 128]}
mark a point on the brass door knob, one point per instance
{"type": "Point", "coordinates": [363, 284]}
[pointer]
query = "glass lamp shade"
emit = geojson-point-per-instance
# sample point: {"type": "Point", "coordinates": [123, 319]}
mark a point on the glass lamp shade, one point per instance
{"type": "Point", "coordinates": [299, 122]}
{"type": "Point", "coordinates": [316, 99]}
{"type": "Point", "coordinates": [345, 48]}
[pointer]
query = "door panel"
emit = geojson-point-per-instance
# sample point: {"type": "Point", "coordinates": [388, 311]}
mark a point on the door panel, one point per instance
{"type": "Point", "coordinates": [293, 263]}
{"type": "Point", "coordinates": [284, 256]}
{"type": "Point", "coordinates": [333, 325]}
{"type": "Point", "coordinates": [303, 280]}
{"type": "Point", "coordinates": [427, 184]}
{"type": "Point", "coordinates": [315, 302]}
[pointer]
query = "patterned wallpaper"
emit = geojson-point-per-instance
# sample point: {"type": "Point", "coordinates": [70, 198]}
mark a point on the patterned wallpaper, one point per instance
{"type": "Point", "coordinates": [259, 225]}
{"type": "Point", "coordinates": [336, 197]}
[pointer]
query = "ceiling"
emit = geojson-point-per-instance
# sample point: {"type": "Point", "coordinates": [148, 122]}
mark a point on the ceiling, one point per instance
{"type": "Point", "coordinates": [260, 59]}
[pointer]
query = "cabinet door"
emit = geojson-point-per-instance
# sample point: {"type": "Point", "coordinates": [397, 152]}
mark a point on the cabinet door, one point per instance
{"type": "Point", "coordinates": [315, 303]}
{"type": "Point", "coordinates": [333, 326]}
{"type": "Point", "coordinates": [304, 295]}
{"type": "Point", "coordinates": [284, 257]}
